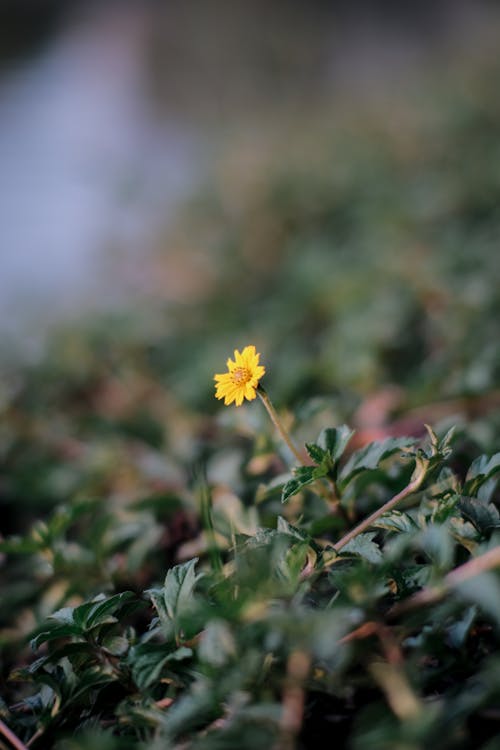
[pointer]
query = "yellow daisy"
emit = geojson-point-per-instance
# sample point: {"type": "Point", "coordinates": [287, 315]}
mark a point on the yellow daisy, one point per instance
{"type": "Point", "coordinates": [242, 379]}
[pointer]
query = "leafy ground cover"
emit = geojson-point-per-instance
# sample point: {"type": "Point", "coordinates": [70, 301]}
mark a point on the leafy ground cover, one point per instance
{"type": "Point", "coordinates": [172, 575]}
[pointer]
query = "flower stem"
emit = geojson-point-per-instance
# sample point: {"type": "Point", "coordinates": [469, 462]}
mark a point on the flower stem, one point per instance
{"type": "Point", "coordinates": [415, 482]}
{"type": "Point", "coordinates": [277, 423]}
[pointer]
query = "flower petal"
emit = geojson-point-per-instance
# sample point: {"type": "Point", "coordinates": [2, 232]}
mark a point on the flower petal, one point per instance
{"type": "Point", "coordinates": [250, 392]}
{"type": "Point", "coordinates": [242, 377]}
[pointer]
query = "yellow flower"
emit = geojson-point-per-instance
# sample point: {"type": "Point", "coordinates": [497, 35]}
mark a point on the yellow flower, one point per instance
{"type": "Point", "coordinates": [242, 379]}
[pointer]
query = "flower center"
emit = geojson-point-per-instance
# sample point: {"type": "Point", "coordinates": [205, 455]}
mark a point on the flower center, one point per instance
{"type": "Point", "coordinates": [240, 376]}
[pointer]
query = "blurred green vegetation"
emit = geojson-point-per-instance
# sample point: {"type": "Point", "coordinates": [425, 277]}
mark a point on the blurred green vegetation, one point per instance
{"type": "Point", "coordinates": [361, 258]}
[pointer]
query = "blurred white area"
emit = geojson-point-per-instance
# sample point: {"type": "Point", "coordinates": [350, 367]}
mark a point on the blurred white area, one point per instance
{"type": "Point", "coordinates": [87, 171]}
{"type": "Point", "coordinates": [105, 131]}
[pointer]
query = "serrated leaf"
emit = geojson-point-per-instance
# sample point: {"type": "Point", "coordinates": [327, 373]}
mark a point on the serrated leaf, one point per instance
{"type": "Point", "coordinates": [80, 613]}
{"type": "Point", "coordinates": [293, 562]}
{"type": "Point", "coordinates": [486, 491]}
{"type": "Point", "coordinates": [303, 476]}
{"type": "Point", "coordinates": [290, 489]}
{"type": "Point", "coordinates": [483, 516]}
{"type": "Point", "coordinates": [147, 661]}
{"type": "Point", "coordinates": [261, 538]}
{"type": "Point", "coordinates": [90, 680]}
{"type": "Point", "coordinates": [63, 616]}
{"type": "Point", "coordinates": [334, 440]}
{"type": "Point", "coordinates": [364, 546]}
{"type": "Point", "coordinates": [464, 531]}
{"type": "Point", "coordinates": [116, 645]}
{"type": "Point", "coordinates": [483, 466]}
{"type": "Point", "coordinates": [178, 589]}
{"type": "Point", "coordinates": [481, 479]}
{"type": "Point", "coordinates": [316, 453]}
{"type": "Point", "coordinates": [396, 520]}
{"type": "Point", "coordinates": [284, 527]}
{"type": "Point", "coordinates": [76, 621]}
{"type": "Point", "coordinates": [102, 610]}
{"type": "Point", "coordinates": [176, 598]}
{"type": "Point", "coordinates": [368, 458]}
{"type": "Point", "coordinates": [73, 649]}
{"type": "Point", "coordinates": [51, 633]}
{"type": "Point", "coordinates": [440, 448]}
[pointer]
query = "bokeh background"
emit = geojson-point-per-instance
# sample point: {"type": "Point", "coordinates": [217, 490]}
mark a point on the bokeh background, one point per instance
{"type": "Point", "coordinates": [179, 179]}
{"type": "Point", "coordinates": [321, 179]}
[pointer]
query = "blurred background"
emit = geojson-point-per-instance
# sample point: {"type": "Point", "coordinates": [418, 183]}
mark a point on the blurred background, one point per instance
{"type": "Point", "coordinates": [319, 178]}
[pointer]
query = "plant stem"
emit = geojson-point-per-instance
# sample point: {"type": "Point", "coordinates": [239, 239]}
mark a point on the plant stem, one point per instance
{"type": "Point", "coordinates": [11, 737]}
{"type": "Point", "coordinates": [277, 423]}
{"type": "Point", "coordinates": [470, 569]}
{"type": "Point", "coordinates": [293, 700]}
{"type": "Point", "coordinates": [207, 521]}
{"type": "Point", "coordinates": [416, 480]}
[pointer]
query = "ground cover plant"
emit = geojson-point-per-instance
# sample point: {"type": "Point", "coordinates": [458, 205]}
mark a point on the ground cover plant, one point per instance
{"type": "Point", "coordinates": [306, 563]}
{"type": "Point", "coordinates": [354, 598]}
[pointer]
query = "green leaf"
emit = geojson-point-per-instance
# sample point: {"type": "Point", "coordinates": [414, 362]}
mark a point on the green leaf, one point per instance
{"type": "Point", "coordinates": [116, 645]}
{"type": "Point", "coordinates": [316, 453]}
{"type": "Point", "coordinates": [284, 527]}
{"type": "Point", "coordinates": [483, 590]}
{"type": "Point", "coordinates": [436, 542]}
{"type": "Point", "coordinates": [303, 475]}
{"type": "Point", "coordinates": [334, 440]}
{"type": "Point", "coordinates": [100, 612]}
{"type": "Point", "coordinates": [74, 649]}
{"type": "Point", "coordinates": [396, 520]}
{"type": "Point", "coordinates": [176, 598]}
{"type": "Point", "coordinates": [330, 446]}
{"type": "Point", "coordinates": [89, 681]}
{"type": "Point", "coordinates": [483, 466]}
{"type": "Point", "coordinates": [76, 621]}
{"type": "Point", "coordinates": [147, 661]}
{"type": "Point", "coordinates": [64, 616]}
{"type": "Point", "coordinates": [484, 516]}
{"type": "Point", "coordinates": [53, 631]}
{"type": "Point", "coordinates": [292, 563]}
{"type": "Point", "coordinates": [440, 448]}
{"type": "Point", "coordinates": [16, 545]}
{"type": "Point", "coordinates": [458, 631]}
{"type": "Point", "coordinates": [479, 479]}
{"type": "Point", "coordinates": [364, 546]}
{"type": "Point", "coordinates": [262, 538]}
{"type": "Point", "coordinates": [195, 709]}
{"type": "Point", "coordinates": [369, 457]}
{"type": "Point", "coordinates": [217, 645]}
{"type": "Point", "coordinates": [179, 586]}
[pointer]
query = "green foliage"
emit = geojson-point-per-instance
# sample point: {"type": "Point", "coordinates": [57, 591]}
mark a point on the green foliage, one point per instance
{"type": "Point", "coordinates": [155, 591]}
{"type": "Point", "coordinates": [174, 601]}
{"type": "Point", "coordinates": [369, 458]}
{"type": "Point", "coordinates": [212, 661]}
